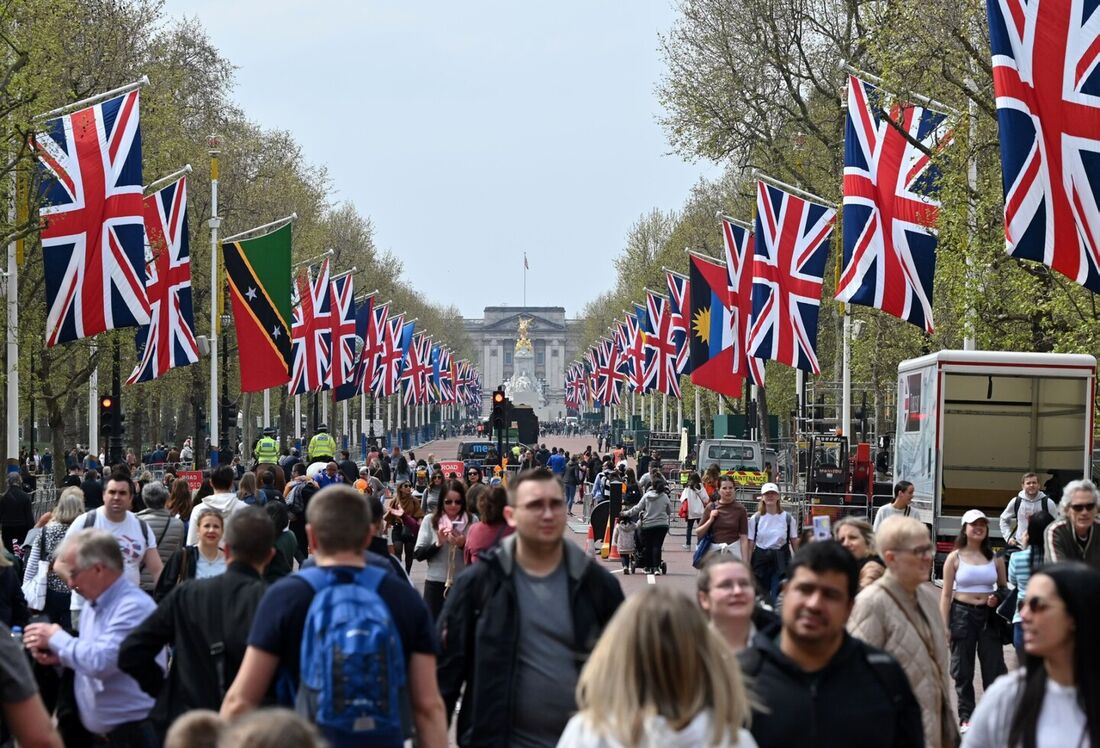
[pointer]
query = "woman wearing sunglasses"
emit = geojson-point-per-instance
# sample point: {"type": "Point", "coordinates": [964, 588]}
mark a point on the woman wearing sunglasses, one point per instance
{"type": "Point", "coordinates": [440, 543]}
{"type": "Point", "coordinates": [1054, 700]}
{"type": "Point", "coordinates": [1074, 536]}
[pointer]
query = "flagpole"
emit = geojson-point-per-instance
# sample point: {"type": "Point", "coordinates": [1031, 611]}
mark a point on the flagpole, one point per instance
{"type": "Point", "coordinates": [791, 188]}
{"type": "Point", "coordinates": [524, 280]}
{"type": "Point", "coordinates": [76, 105]}
{"type": "Point", "coordinates": [311, 260]}
{"type": "Point", "coordinates": [297, 418]}
{"type": "Point", "coordinates": [846, 375]}
{"type": "Point", "coordinates": [154, 186]}
{"type": "Point", "coordinates": [215, 294]}
{"type": "Point", "coordinates": [269, 227]}
{"type": "Point", "coordinates": [698, 417]}
{"type": "Point", "coordinates": [267, 408]}
{"type": "Point", "coordinates": [93, 408]}
{"type": "Point", "coordinates": [12, 340]}
{"type": "Point", "coordinates": [872, 78]}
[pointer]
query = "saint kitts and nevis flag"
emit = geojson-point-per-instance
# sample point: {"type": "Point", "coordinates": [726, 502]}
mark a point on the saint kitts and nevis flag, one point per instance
{"type": "Point", "coordinates": [258, 273]}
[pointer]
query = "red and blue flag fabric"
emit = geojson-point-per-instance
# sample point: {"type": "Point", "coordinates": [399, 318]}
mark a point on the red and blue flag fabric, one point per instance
{"type": "Point", "coordinates": [311, 334]}
{"type": "Point", "coordinates": [634, 356]}
{"type": "Point", "coordinates": [416, 370]}
{"type": "Point", "coordinates": [346, 343]}
{"type": "Point", "coordinates": [890, 204]}
{"type": "Point", "coordinates": [713, 338]}
{"type": "Point", "coordinates": [607, 372]}
{"type": "Point", "coordinates": [1046, 78]}
{"type": "Point", "coordinates": [791, 248]}
{"type": "Point", "coordinates": [366, 330]}
{"type": "Point", "coordinates": [738, 241]}
{"type": "Point", "coordinates": [663, 375]}
{"type": "Point", "coordinates": [391, 355]}
{"type": "Point", "coordinates": [93, 232]}
{"type": "Point", "coordinates": [168, 340]}
{"type": "Point", "coordinates": [678, 290]}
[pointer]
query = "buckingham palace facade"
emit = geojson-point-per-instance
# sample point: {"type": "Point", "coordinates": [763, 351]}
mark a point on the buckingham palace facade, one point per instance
{"type": "Point", "coordinates": [556, 342]}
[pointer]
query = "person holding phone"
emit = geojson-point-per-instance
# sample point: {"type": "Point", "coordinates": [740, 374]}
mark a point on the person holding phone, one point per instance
{"type": "Point", "coordinates": [440, 542]}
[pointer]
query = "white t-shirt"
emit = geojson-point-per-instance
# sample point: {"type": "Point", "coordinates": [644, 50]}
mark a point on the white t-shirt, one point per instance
{"type": "Point", "coordinates": [1061, 722]}
{"type": "Point", "coordinates": [131, 541]}
{"type": "Point", "coordinates": [205, 569]}
{"type": "Point", "coordinates": [772, 530]}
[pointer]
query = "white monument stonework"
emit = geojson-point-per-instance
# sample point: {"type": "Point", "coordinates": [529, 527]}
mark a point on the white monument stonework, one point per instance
{"type": "Point", "coordinates": [536, 368]}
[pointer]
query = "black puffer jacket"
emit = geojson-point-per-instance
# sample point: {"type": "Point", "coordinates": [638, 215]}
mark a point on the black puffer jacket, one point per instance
{"type": "Point", "coordinates": [479, 630]}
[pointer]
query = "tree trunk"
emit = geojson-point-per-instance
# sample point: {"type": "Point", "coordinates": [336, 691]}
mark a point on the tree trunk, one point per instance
{"type": "Point", "coordinates": [762, 413]}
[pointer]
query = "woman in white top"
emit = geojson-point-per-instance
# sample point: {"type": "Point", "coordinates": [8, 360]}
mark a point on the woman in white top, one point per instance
{"type": "Point", "coordinates": [1054, 700]}
{"type": "Point", "coordinates": [726, 591]}
{"type": "Point", "coordinates": [659, 677]}
{"type": "Point", "coordinates": [696, 497]}
{"type": "Point", "coordinates": [199, 561]}
{"type": "Point", "coordinates": [968, 602]}
{"type": "Point", "coordinates": [773, 539]}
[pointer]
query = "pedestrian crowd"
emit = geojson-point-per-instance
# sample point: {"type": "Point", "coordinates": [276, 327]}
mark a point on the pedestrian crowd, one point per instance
{"type": "Point", "coordinates": [274, 607]}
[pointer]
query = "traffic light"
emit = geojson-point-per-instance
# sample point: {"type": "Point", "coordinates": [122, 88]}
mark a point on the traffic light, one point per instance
{"type": "Point", "coordinates": [498, 409]}
{"type": "Point", "coordinates": [107, 408]}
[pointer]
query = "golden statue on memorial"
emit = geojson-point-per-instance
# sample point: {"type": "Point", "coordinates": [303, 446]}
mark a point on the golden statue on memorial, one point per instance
{"type": "Point", "coordinates": [524, 342]}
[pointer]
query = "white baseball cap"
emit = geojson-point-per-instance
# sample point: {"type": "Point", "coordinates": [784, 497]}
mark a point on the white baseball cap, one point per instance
{"type": "Point", "coordinates": [769, 488]}
{"type": "Point", "coordinates": [973, 516]}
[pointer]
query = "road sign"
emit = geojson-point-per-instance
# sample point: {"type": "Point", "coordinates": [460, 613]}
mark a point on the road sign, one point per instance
{"type": "Point", "coordinates": [193, 478]}
{"type": "Point", "coordinates": [452, 466]}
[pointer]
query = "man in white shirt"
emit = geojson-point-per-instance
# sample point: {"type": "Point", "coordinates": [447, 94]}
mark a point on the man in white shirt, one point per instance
{"type": "Point", "coordinates": [1030, 500]}
{"type": "Point", "coordinates": [903, 495]}
{"type": "Point", "coordinates": [135, 538]}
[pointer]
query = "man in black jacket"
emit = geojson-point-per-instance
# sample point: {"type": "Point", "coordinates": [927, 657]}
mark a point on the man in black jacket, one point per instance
{"type": "Point", "coordinates": [519, 624]}
{"type": "Point", "coordinates": [843, 691]}
{"type": "Point", "coordinates": [195, 617]}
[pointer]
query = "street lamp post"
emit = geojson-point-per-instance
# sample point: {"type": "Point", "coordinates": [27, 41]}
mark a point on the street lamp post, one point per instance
{"type": "Point", "coordinates": [223, 420]}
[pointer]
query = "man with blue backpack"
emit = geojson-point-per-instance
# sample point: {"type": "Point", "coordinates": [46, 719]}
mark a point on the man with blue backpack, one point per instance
{"type": "Point", "coordinates": [344, 640]}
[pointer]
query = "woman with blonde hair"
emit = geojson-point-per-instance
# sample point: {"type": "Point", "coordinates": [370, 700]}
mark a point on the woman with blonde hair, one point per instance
{"type": "Point", "coordinates": [659, 676]}
{"type": "Point", "coordinates": [857, 536]}
{"type": "Point", "coordinates": [43, 549]}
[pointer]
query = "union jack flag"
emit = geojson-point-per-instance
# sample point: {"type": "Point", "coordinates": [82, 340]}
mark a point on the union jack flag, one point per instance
{"type": "Point", "coordinates": [463, 380]}
{"type": "Point", "coordinates": [93, 235]}
{"type": "Point", "coordinates": [607, 372]}
{"type": "Point", "coordinates": [168, 340]}
{"type": "Point", "coordinates": [678, 287]}
{"type": "Point", "coordinates": [663, 375]}
{"type": "Point", "coordinates": [387, 367]}
{"type": "Point", "coordinates": [345, 338]}
{"type": "Point", "coordinates": [1047, 82]}
{"type": "Point", "coordinates": [445, 379]}
{"type": "Point", "coordinates": [417, 369]}
{"type": "Point", "coordinates": [366, 329]}
{"type": "Point", "coordinates": [311, 334]}
{"type": "Point", "coordinates": [574, 386]}
{"type": "Point", "coordinates": [739, 244]}
{"type": "Point", "coordinates": [792, 244]}
{"type": "Point", "coordinates": [890, 205]}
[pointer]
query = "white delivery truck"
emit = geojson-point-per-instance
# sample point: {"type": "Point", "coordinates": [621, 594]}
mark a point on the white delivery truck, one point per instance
{"type": "Point", "coordinates": [971, 423]}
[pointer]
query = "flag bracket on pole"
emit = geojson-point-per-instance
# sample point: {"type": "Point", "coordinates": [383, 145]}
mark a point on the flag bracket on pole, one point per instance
{"type": "Point", "coordinates": [92, 100]}
{"type": "Point", "coordinates": [268, 227]}
{"type": "Point", "coordinates": [154, 186]}
{"type": "Point", "coordinates": [757, 174]}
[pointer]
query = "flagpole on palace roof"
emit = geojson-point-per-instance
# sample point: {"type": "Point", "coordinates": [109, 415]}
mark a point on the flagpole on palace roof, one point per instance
{"type": "Point", "coordinates": [154, 186]}
{"type": "Point", "coordinates": [757, 174]}
{"type": "Point", "coordinates": [76, 105]}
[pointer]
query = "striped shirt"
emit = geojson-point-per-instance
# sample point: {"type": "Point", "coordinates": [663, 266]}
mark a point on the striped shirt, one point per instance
{"type": "Point", "coordinates": [1019, 572]}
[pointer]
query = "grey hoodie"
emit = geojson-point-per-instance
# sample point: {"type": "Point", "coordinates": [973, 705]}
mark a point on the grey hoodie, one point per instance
{"type": "Point", "coordinates": [655, 509]}
{"type": "Point", "coordinates": [1027, 508]}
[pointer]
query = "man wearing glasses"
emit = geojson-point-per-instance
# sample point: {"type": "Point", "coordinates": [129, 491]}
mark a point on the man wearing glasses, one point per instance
{"type": "Point", "coordinates": [518, 625]}
{"type": "Point", "coordinates": [110, 703]}
{"type": "Point", "coordinates": [899, 613]}
{"type": "Point", "coordinates": [1073, 537]}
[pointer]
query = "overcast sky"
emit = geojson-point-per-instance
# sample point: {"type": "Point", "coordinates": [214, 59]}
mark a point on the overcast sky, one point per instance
{"type": "Point", "coordinates": [471, 132]}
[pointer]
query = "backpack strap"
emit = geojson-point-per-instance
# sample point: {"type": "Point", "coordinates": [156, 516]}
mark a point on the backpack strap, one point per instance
{"type": "Point", "coordinates": [320, 577]}
{"type": "Point", "coordinates": [217, 645]}
{"type": "Point", "coordinates": [889, 674]}
{"type": "Point", "coordinates": [89, 519]}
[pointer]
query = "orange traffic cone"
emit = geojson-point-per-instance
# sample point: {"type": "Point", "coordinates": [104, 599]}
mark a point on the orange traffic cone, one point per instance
{"type": "Point", "coordinates": [614, 555]}
{"type": "Point", "coordinates": [606, 548]}
{"type": "Point", "coordinates": [588, 540]}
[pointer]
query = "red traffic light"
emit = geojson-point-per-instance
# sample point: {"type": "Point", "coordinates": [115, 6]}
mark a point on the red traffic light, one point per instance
{"type": "Point", "coordinates": [106, 402]}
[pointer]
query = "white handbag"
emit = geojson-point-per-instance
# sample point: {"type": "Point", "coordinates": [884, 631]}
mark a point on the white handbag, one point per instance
{"type": "Point", "coordinates": [34, 589]}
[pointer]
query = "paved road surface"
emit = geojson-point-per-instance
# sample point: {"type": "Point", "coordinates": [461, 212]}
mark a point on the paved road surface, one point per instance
{"type": "Point", "coordinates": [681, 575]}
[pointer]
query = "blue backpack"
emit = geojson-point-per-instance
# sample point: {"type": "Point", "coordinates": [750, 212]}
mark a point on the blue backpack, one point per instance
{"type": "Point", "coordinates": [352, 661]}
